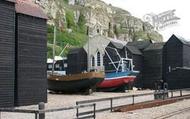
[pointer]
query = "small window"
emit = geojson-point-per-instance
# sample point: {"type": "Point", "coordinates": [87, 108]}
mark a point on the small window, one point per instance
{"type": "Point", "coordinates": [50, 66]}
{"type": "Point", "coordinates": [93, 61]}
{"type": "Point", "coordinates": [98, 59]}
{"type": "Point", "coordinates": [57, 66]}
{"type": "Point", "coordinates": [98, 31]}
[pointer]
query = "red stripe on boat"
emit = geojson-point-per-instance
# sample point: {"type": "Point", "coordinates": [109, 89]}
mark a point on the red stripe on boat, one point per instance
{"type": "Point", "coordinates": [116, 82]}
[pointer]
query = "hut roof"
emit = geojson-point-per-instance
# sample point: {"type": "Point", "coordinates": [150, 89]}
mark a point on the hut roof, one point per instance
{"type": "Point", "coordinates": [134, 50]}
{"type": "Point", "coordinates": [183, 40]}
{"type": "Point", "coordinates": [11, 0]}
{"type": "Point", "coordinates": [118, 43]}
{"type": "Point", "coordinates": [140, 44]}
{"type": "Point", "coordinates": [29, 8]}
{"type": "Point", "coordinates": [75, 50]}
{"type": "Point", "coordinates": [155, 46]}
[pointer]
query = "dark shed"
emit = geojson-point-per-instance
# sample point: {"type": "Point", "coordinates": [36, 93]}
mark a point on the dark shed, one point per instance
{"type": "Point", "coordinates": [111, 50]}
{"type": "Point", "coordinates": [135, 54]}
{"type": "Point", "coordinates": [175, 54]}
{"type": "Point", "coordinates": [179, 78]}
{"type": "Point", "coordinates": [114, 47]}
{"type": "Point", "coordinates": [31, 41]}
{"type": "Point", "coordinates": [152, 65]}
{"type": "Point", "coordinates": [141, 45]}
{"type": "Point", "coordinates": [7, 51]}
{"type": "Point", "coordinates": [76, 61]}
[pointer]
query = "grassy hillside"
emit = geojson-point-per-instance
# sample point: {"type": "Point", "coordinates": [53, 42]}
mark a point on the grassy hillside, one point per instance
{"type": "Point", "coordinates": [73, 34]}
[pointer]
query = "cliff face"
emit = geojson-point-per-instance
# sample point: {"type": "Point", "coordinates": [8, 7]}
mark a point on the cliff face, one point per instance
{"type": "Point", "coordinates": [112, 20]}
{"type": "Point", "coordinates": [73, 17]}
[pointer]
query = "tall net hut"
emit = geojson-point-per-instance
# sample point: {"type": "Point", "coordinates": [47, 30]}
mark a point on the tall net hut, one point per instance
{"type": "Point", "coordinates": [152, 65]}
{"type": "Point", "coordinates": [31, 49]}
{"type": "Point", "coordinates": [7, 51]}
{"type": "Point", "coordinates": [176, 56]}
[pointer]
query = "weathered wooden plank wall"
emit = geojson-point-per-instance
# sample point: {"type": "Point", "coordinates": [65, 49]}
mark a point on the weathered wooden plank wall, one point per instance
{"type": "Point", "coordinates": [31, 80]}
{"type": "Point", "coordinates": [7, 51]}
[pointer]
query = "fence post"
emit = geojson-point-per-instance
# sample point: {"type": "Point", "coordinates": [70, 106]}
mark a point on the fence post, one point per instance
{"type": "Point", "coordinates": [41, 107]}
{"type": "Point", "coordinates": [133, 96]}
{"type": "Point", "coordinates": [172, 94]}
{"type": "Point", "coordinates": [111, 104]}
{"type": "Point", "coordinates": [181, 93]}
{"type": "Point", "coordinates": [77, 109]}
{"type": "Point", "coordinates": [163, 95]}
{"type": "Point", "coordinates": [36, 115]}
{"type": "Point", "coordinates": [94, 105]}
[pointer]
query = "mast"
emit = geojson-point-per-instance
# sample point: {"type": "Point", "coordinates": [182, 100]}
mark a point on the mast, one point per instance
{"type": "Point", "coordinates": [54, 42]}
{"type": "Point", "coordinates": [88, 53]}
{"type": "Point", "coordinates": [88, 36]}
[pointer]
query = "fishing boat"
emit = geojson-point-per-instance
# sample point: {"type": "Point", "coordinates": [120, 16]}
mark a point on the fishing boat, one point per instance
{"type": "Point", "coordinates": [121, 78]}
{"type": "Point", "coordinates": [79, 81]}
{"type": "Point", "coordinates": [75, 83]}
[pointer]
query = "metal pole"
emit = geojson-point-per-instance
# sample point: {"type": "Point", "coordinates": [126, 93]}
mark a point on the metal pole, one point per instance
{"type": "Point", "coordinates": [77, 109]}
{"type": "Point", "coordinates": [133, 99]}
{"type": "Point", "coordinates": [181, 93]}
{"type": "Point", "coordinates": [172, 94]}
{"type": "Point", "coordinates": [36, 116]}
{"type": "Point", "coordinates": [54, 43]}
{"type": "Point", "coordinates": [163, 95]}
{"type": "Point", "coordinates": [111, 104]}
{"type": "Point", "coordinates": [41, 107]}
{"type": "Point", "coordinates": [94, 110]}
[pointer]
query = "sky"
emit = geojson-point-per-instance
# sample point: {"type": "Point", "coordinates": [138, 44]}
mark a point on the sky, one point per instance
{"type": "Point", "coordinates": [139, 8]}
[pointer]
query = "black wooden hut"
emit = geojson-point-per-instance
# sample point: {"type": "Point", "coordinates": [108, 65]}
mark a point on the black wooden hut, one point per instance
{"type": "Point", "coordinates": [152, 65]}
{"type": "Point", "coordinates": [179, 78]}
{"type": "Point", "coordinates": [176, 54]}
{"type": "Point", "coordinates": [111, 49]}
{"type": "Point", "coordinates": [141, 45]}
{"type": "Point", "coordinates": [7, 51]}
{"type": "Point", "coordinates": [31, 41]}
{"type": "Point", "coordinates": [137, 56]}
{"type": "Point", "coordinates": [76, 61]}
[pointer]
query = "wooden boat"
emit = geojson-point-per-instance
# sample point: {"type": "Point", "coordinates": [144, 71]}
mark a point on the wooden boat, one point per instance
{"type": "Point", "coordinates": [121, 77]}
{"type": "Point", "coordinates": [118, 81]}
{"type": "Point", "coordinates": [74, 83]}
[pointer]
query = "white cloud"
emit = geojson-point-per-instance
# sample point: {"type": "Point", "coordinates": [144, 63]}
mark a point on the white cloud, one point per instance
{"type": "Point", "coordinates": [139, 8]}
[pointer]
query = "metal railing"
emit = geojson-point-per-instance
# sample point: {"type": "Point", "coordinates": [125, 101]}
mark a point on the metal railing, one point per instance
{"type": "Point", "coordinates": [133, 98]}
{"type": "Point", "coordinates": [41, 112]}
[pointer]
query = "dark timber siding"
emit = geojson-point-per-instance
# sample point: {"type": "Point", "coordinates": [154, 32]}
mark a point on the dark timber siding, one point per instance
{"type": "Point", "coordinates": [172, 55]}
{"type": "Point", "coordinates": [176, 57]}
{"type": "Point", "coordinates": [7, 57]}
{"type": "Point", "coordinates": [186, 55]}
{"type": "Point", "coordinates": [152, 65]}
{"type": "Point", "coordinates": [77, 61]}
{"type": "Point", "coordinates": [179, 78]}
{"type": "Point", "coordinates": [31, 60]}
{"type": "Point", "coordinates": [138, 63]}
